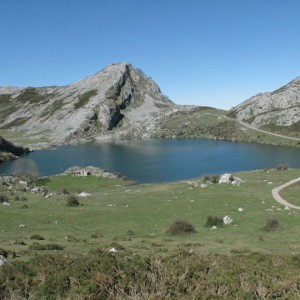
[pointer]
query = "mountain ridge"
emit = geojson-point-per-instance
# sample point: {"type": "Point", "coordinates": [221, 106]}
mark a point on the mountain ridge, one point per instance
{"type": "Point", "coordinates": [121, 102]}
{"type": "Point", "coordinates": [277, 109]}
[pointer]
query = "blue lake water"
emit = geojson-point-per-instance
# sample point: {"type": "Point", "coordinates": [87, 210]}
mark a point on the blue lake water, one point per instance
{"type": "Point", "coordinates": [163, 160]}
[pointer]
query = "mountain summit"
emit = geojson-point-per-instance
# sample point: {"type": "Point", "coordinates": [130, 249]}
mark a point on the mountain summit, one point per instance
{"type": "Point", "coordinates": [118, 101]}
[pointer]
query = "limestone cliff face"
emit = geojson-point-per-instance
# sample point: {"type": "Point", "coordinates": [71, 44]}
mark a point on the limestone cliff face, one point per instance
{"type": "Point", "coordinates": [117, 101]}
{"type": "Point", "coordinates": [280, 108]}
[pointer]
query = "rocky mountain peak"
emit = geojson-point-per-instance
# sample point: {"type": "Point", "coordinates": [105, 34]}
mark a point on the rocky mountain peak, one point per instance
{"type": "Point", "coordinates": [119, 100]}
{"type": "Point", "coordinates": [280, 108]}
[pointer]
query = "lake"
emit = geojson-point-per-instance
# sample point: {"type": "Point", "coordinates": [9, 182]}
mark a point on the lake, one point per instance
{"type": "Point", "coordinates": [163, 160]}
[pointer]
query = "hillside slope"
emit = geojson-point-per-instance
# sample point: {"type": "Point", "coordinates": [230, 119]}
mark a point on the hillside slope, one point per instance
{"type": "Point", "coordinates": [278, 111]}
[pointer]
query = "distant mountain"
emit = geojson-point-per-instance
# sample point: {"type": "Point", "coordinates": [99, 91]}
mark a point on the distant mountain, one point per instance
{"type": "Point", "coordinates": [9, 151]}
{"type": "Point", "coordinates": [119, 101]}
{"type": "Point", "coordinates": [275, 111]}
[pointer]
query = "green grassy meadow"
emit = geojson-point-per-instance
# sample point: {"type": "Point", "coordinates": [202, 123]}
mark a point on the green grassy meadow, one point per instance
{"type": "Point", "coordinates": [138, 216]}
{"type": "Point", "coordinates": [236, 261]}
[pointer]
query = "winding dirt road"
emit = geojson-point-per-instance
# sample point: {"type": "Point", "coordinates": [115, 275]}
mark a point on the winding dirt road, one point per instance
{"type": "Point", "coordinates": [279, 199]}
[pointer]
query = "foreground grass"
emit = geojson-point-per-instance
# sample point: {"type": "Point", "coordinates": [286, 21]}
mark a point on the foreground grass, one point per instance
{"type": "Point", "coordinates": [134, 219]}
{"type": "Point", "coordinates": [182, 275]}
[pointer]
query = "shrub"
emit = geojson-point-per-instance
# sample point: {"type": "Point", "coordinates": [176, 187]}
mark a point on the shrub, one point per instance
{"type": "Point", "coordinates": [73, 201]}
{"type": "Point", "coordinates": [3, 252]}
{"type": "Point", "coordinates": [281, 167]}
{"type": "Point", "coordinates": [3, 198]}
{"type": "Point", "coordinates": [181, 227]}
{"type": "Point", "coordinates": [271, 225]}
{"type": "Point", "coordinates": [213, 221]}
{"type": "Point", "coordinates": [24, 199]}
{"type": "Point", "coordinates": [215, 178]}
{"type": "Point", "coordinates": [130, 232]}
{"type": "Point", "coordinates": [36, 237]}
{"type": "Point", "coordinates": [37, 247]}
{"type": "Point", "coordinates": [65, 192]}
{"type": "Point", "coordinates": [206, 178]}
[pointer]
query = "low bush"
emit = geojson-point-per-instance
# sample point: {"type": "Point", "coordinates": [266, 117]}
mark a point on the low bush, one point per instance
{"type": "Point", "coordinates": [65, 192]}
{"type": "Point", "coordinates": [73, 201]}
{"type": "Point", "coordinates": [206, 178]}
{"type": "Point", "coordinates": [181, 227]}
{"type": "Point", "coordinates": [281, 167]}
{"type": "Point", "coordinates": [3, 252]}
{"type": "Point", "coordinates": [271, 225]}
{"type": "Point", "coordinates": [37, 247]}
{"type": "Point", "coordinates": [36, 237]}
{"type": "Point", "coordinates": [3, 198]}
{"type": "Point", "coordinates": [215, 178]}
{"type": "Point", "coordinates": [213, 221]}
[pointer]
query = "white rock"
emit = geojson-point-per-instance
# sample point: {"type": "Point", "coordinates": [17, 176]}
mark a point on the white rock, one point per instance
{"type": "Point", "coordinates": [240, 209]}
{"type": "Point", "coordinates": [84, 194]}
{"type": "Point", "coordinates": [214, 228]}
{"type": "Point", "coordinates": [227, 220]}
{"type": "Point", "coordinates": [286, 208]}
{"type": "Point", "coordinates": [22, 225]}
{"type": "Point", "coordinates": [3, 260]}
{"type": "Point", "coordinates": [225, 178]}
{"type": "Point", "coordinates": [6, 203]}
{"type": "Point", "coordinates": [113, 250]}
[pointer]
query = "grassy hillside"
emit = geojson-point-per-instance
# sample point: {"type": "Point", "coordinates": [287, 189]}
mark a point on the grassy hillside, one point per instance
{"type": "Point", "coordinates": [74, 241]}
{"type": "Point", "coordinates": [138, 216]}
{"type": "Point", "coordinates": [206, 122]}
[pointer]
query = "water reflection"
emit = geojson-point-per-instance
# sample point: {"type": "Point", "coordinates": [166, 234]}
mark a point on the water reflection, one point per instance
{"type": "Point", "coordinates": [163, 160]}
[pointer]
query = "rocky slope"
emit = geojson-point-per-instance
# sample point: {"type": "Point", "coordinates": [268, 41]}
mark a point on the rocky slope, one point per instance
{"type": "Point", "coordinates": [9, 151]}
{"type": "Point", "coordinates": [117, 102]}
{"type": "Point", "coordinates": [277, 110]}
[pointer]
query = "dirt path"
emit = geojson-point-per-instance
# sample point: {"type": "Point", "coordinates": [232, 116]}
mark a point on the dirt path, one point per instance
{"type": "Point", "coordinates": [263, 131]}
{"type": "Point", "coordinates": [279, 199]}
{"type": "Point", "coordinates": [254, 128]}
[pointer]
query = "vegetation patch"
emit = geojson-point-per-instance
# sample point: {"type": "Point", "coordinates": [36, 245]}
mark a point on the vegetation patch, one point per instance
{"type": "Point", "coordinates": [38, 247]}
{"type": "Point", "coordinates": [271, 225]}
{"type": "Point", "coordinates": [84, 98]}
{"type": "Point", "coordinates": [182, 275]}
{"type": "Point", "coordinates": [73, 201]}
{"type": "Point", "coordinates": [214, 221]}
{"type": "Point", "coordinates": [31, 95]}
{"type": "Point", "coordinates": [36, 237]}
{"type": "Point", "coordinates": [181, 227]}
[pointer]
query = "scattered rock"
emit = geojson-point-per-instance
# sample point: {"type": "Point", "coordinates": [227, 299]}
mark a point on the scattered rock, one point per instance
{"type": "Point", "coordinates": [113, 250]}
{"type": "Point", "coordinates": [227, 220]}
{"type": "Point", "coordinates": [3, 260]}
{"type": "Point", "coordinates": [88, 171]}
{"type": "Point", "coordinates": [84, 194]}
{"type": "Point", "coordinates": [228, 178]}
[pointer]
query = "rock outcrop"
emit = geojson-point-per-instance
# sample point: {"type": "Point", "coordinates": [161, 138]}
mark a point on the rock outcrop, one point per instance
{"type": "Point", "coordinates": [275, 110]}
{"type": "Point", "coordinates": [10, 151]}
{"type": "Point", "coordinates": [118, 101]}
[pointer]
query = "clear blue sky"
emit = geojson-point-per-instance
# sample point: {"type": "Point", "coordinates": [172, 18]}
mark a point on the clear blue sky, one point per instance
{"type": "Point", "coordinates": [204, 52]}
